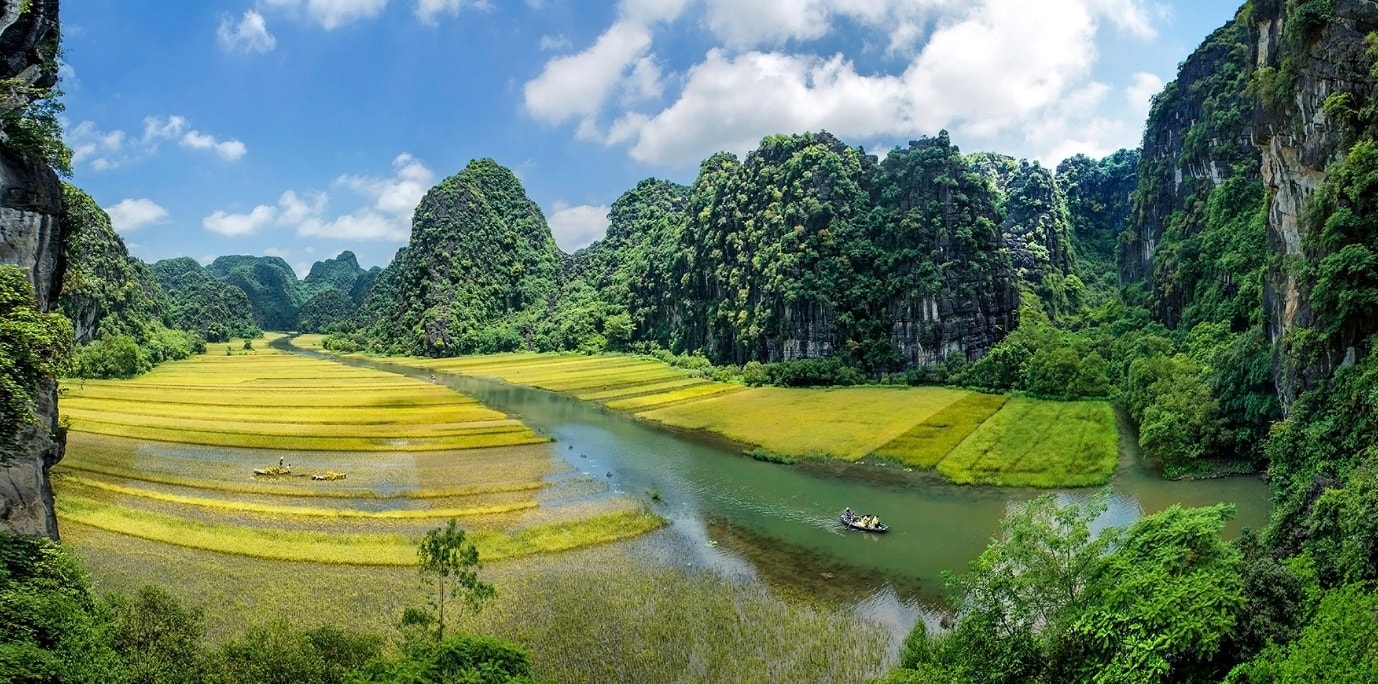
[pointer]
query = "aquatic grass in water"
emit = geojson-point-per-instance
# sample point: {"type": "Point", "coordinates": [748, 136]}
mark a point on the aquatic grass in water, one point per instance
{"type": "Point", "coordinates": [1037, 443]}
{"type": "Point", "coordinates": [74, 484]}
{"type": "Point", "coordinates": [927, 443]}
{"type": "Point", "coordinates": [595, 615]}
{"type": "Point", "coordinates": [344, 548]}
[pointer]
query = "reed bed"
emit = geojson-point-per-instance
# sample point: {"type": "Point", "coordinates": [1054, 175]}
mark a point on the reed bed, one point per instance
{"type": "Point", "coordinates": [927, 443]}
{"type": "Point", "coordinates": [1036, 443]}
{"type": "Point", "coordinates": [597, 614]}
{"type": "Point", "coordinates": [343, 548]}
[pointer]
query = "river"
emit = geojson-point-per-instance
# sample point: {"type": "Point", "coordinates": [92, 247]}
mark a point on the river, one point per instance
{"type": "Point", "coordinates": [762, 520]}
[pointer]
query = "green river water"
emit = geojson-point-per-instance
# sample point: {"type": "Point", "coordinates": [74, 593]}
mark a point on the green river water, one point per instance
{"type": "Point", "coordinates": [779, 523]}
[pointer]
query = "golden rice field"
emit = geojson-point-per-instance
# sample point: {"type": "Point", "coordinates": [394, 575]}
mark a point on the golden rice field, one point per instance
{"type": "Point", "coordinates": [270, 399]}
{"type": "Point", "coordinates": [968, 437]}
{"type": "Point", "coordinates": [178, 456]}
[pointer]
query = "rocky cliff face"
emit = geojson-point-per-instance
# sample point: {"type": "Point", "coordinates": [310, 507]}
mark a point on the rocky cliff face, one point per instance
{"type": "Point", "coordinates": [31, 237]}
{"type": "Point", "coordinates": [1195, 139]}
{"type": "Point", "coordinates": [1311, 51]}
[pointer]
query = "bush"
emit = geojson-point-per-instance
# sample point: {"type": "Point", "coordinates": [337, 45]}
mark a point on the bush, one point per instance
{"type": "Point", "coordinates": [468, 659]}
{"type": "Point", "coordinates": [814, 373]}
{"type": "Point", "coordinates": [111, 357]}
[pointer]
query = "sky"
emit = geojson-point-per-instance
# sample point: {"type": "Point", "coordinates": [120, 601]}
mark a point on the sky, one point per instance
{"type": "Point", "coordinates": [301, 128]}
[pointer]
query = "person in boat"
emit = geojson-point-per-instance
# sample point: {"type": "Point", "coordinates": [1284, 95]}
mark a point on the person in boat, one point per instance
{"type": "Point", "coordinates": [848, 515]}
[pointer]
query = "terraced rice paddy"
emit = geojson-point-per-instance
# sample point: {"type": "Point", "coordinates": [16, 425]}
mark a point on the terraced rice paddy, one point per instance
{"type": "Point", "coordinates": [176, 456]}
{"type": "Point", "coordinates": [968, 437]}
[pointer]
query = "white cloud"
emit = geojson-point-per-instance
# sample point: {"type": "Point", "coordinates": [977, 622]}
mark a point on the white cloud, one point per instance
{"type": "Point", "coordinates": [240, 224]}
{"type": "Point", "coordinates": [428, 10]}
{"type": "Point", "coordinates": [329, 14]}
{"type": "Point", "coordinates": [157, 128]}
{"type": "Point", "coordinates": [129, 213]}
{"type": "Point", "coordinates": [229, 150]}
{"type": "Point", "coordinates": [295, 210]}
{"type": "Point", "coordinates": [1002, 73]}
{"type": "Point", "coordinates": [250, 34]}
{"type": "Point", "coordinates": [578, 85]}
{"type": "Point", "coordinates": [1140, 93]}
{"type": "Point", "coordinates": [554, 43]}
{"type": "Point", "coordinates": [386, 216]}
{"type": "Point", "coordinates": [102, 150]}
{"type": "Point", "coordinates": [277, 252]}
{"type": "Point", "coordinates": [578, 226]}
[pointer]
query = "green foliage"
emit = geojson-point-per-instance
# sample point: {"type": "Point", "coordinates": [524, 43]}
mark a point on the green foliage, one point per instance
{"type": "Point", "coordinates": [52, 629]}
{"type": "Point", "coordinates": [1051, 600]}
{"type": "Point", "coordinates": [198, 303]}
{"type": "Point", "coordinates": [1328, 435]}
{"type": "Point", "coordinates": [466, 659]}
{"type": "Point", "coordinates": [158, 637]}
{"type": "Point", "coordinates": [29, 119]}
{"type": "Point", "coordinates": [826, 372]}
{"type": "Point", "coordinates": [1340, 644]}
{"type": "Point", "coordinates": [451, 561]}
{"type": "Point", "coordinates": [1342, 531]}
{"type": "Point", "coordinates": [278, 652]}
{"type": "Point", "coordinates": [1341, 226]}
{"type": "Point", "coordinates": [109, 357]}
{"type": "Point", "coordinates": [477, 275]}
{"type": "Point", "coordinates": [33, 349]}
{"type": "Point", "coordinates": [268, 282]}
{"type": "Point", "coordinates": [324, 309]}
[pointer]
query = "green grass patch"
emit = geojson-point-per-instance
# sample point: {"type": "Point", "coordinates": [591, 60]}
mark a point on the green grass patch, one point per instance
{"type": "Point", "coordinates": [341, 548]}
{"type": "Point", "coordinates": [927, 443]}
{"type": "Point", "coordinates": [1036, 443]}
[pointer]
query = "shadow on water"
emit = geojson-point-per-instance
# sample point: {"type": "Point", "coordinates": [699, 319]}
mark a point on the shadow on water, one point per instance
{"type": "Point", "coordinates": [779, 523]}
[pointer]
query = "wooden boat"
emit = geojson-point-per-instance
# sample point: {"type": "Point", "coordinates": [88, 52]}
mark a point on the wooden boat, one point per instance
{"type": "Point", "coordinates": [855, 523]}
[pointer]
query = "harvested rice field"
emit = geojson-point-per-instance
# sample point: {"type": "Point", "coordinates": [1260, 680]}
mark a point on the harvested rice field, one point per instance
{"type": "Point", "coordinates": [967, 437]}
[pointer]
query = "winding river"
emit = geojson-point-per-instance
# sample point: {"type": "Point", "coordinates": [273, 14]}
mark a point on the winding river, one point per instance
{"type": "Point", "coordinates": [763, 520]}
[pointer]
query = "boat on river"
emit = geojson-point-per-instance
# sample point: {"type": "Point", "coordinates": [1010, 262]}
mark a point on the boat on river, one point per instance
{"type": "Point", "coordinates": [855, 523]}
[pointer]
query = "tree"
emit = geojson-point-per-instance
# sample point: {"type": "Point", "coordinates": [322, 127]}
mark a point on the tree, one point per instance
{"type": "Point", "coordinates": [450, 560]}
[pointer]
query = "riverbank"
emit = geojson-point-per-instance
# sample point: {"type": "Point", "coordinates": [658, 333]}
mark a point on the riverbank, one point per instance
{"type": "Point", "coordinates": [965, 437]}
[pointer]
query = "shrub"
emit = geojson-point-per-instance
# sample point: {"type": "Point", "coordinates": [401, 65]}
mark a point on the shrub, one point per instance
{"type": "Point", "coordinates": [814, 373]}
{"type": "Point", "coordinates": [111, 357]}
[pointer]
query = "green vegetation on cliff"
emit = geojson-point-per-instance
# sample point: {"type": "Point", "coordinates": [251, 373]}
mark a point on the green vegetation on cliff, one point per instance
{"type": "Point", "coordinates": [33, 349]}
{"type": "Point", "coordinates": [113, 300]}
{"type": "Point", "coordinates": [476, 275]}
{"type": "Point", "coordinates": [212, 309]}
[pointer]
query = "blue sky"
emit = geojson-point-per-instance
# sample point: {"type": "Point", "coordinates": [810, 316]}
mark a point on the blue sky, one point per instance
{"type": "Point", "coordinates": [300, 128]}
